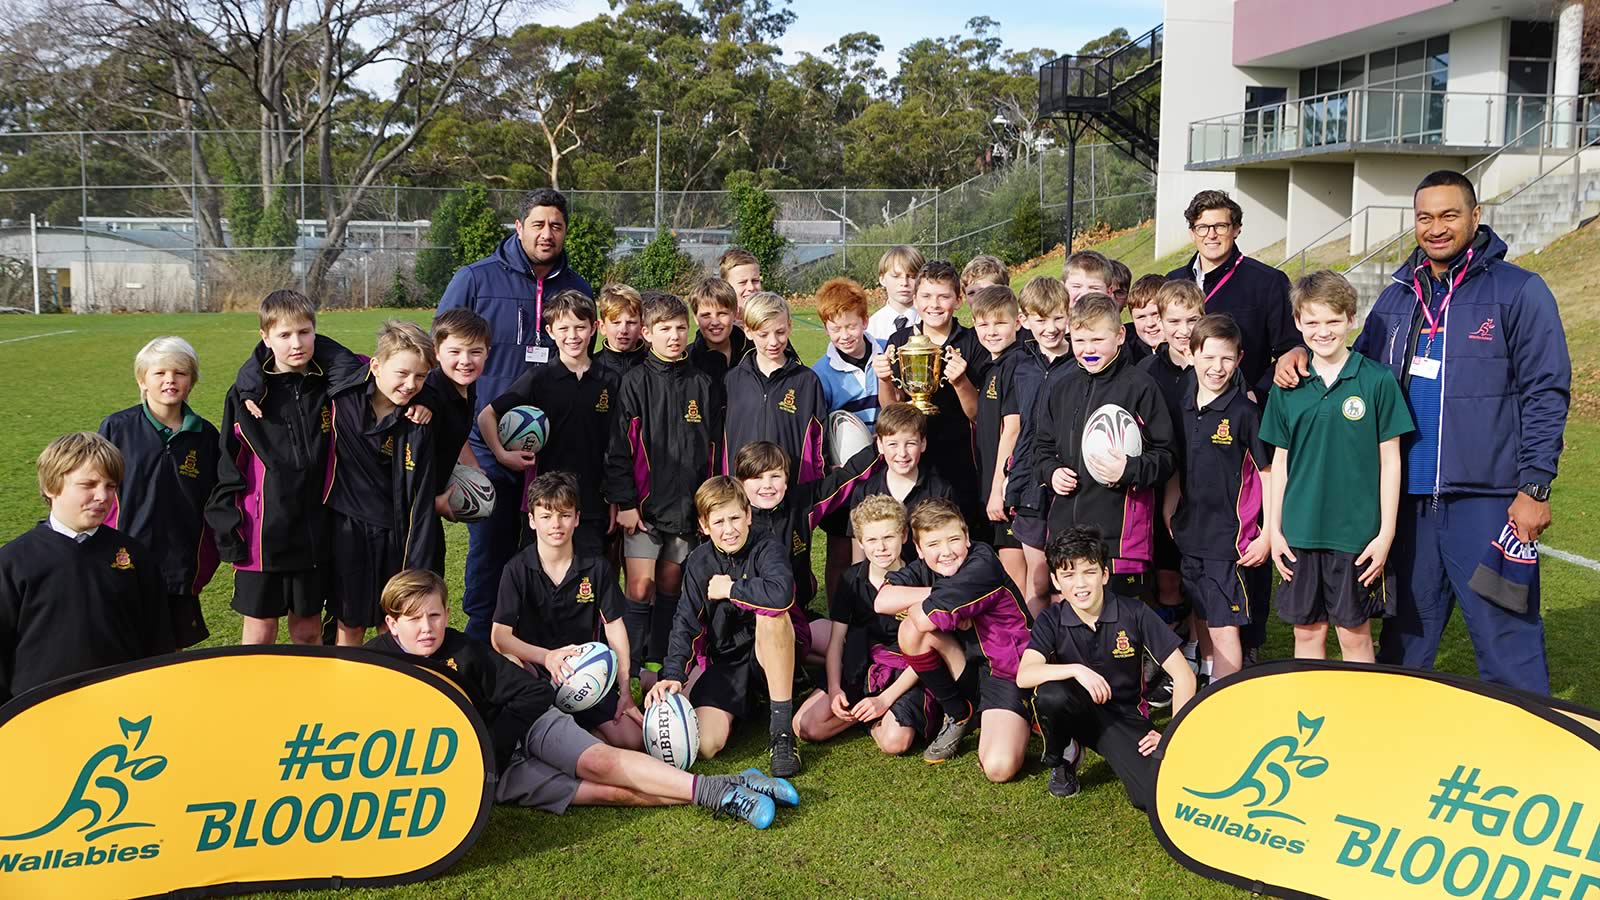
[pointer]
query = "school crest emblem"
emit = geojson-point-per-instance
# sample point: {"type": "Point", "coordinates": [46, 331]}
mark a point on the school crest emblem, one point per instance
{"type": "Point", "coordinates": [327, 419]}
{"type": "Point", "coordinates": [411, 464]}
{"type": "Point", "coordinates": [798, 545]}
{"type": "Point", "coordinates": [692, 414]}
{"type": "Point", "coordinates": [1124, 647]}
{"type": "Point", "coordinates": [604, 403]}
{"type": "Point", "coordinates": [190, 467]}
{"type": "Point", "coordinates": [1354, 408]}
{"type": "Point", "coordinates": [388, 446]}
{"type": "Point", "coordinates": [451, 662]}
{"type": "Point", "coordinates": [1224, 435]}
{"type": "Point", "coordinates": [122, 560]}
{"type": "Point", "coordinates": [787, 403]}
{"type": "Point", "coordinates": [990, 393]}
{"type": "Point", "coordinates": [585, 591]}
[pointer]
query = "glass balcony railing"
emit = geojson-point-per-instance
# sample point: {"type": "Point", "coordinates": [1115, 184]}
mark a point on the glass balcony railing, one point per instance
{"type": "Point", "coordinates": [1371, 118]}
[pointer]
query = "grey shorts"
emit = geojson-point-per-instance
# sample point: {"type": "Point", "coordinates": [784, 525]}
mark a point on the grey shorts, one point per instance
{"type": "Point", "coordinates": [543, 771]}
{"type": "Point", "coordinates": [674, 548]}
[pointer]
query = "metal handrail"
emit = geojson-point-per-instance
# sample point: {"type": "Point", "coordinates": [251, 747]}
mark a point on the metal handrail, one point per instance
{"type": "Point", "coordinates": [1364, 211]}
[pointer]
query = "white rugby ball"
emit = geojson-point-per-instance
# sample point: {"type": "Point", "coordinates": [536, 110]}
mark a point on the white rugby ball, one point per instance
{"type": "Point", "coordinates": [1110, 428]}
{"type": "Point", "coordinates": [470, 494]}
{"type": "Point", "coordinates": [846, 436]}
{"type": "Point", "coordinates": [594, 670]}
{"type": "Point", "coordinates": [672, 731]}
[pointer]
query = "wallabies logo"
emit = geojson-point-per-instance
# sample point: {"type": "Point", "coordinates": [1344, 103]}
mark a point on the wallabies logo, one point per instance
{"type": "Point", "coordinates": [1224, 435]}
{"type": "Point", "coordinates": [101, 791]}
{"type": "Point", "coordinates": [692, 414]}
{"type": "Point", "coordinates": [585, 591]}
{"type": "Point", "coordinates": [122, 560]}
{"type": "Point", "coordinates": [1268, 776]}
{"type": "Point", "coordinates": [787, 403]}
{"type": "Point", "coordinates": [190, 467]}
{"type": "Point", "coordinates": [604, 403]}
{"type": "Point", "coordinates": [1124, 647]}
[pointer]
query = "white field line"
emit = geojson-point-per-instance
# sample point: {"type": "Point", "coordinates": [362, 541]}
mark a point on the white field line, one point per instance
{"type": "Point", "coordinates": [32, 336]}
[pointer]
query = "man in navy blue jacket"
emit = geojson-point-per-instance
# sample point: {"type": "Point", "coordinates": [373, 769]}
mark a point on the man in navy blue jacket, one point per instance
{"type": "Point", "coordinates": [509, 288]}
{"type": "Point", "coordinates": [1479, 350]}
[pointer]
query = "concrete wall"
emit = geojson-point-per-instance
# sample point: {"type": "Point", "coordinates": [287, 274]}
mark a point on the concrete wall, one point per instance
{"type": "Point", "coordinates": [1477, 66]}
{"type": "Point", "coordinates": [1266, 27]}
{"type": "Point", "coordinates": [1319, 199]}
{"type": "Point", "coordinates": [1388, 181]}
{"type": "Point", "coordinates": [1264, 196]}
{"type": "Point", "coordinates": [131, 287]}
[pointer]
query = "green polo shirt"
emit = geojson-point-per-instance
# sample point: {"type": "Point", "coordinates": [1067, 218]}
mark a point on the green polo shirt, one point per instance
{"type": "Point", "coordinates": [191, 422]}
{"type": "Point", "coordinates": [1332, 433]}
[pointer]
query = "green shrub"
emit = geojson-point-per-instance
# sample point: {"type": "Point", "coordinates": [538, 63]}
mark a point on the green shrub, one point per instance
{"type": "Point", "coordinates": [755, 224]}
{"type": "Point", "coordinates": [465, 229]}
{"type": "Point", "coordinates": [660, 265]}
{"type": "Point", "coordinates": [590, 240]}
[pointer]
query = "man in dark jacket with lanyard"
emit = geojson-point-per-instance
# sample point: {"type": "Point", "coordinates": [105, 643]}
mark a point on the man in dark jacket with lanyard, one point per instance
{"type": "Point", "coordinates": [1479, 350]}
{"type": "Point", "coordinates": [1257, 297]}
{"type": "Point", "coordinates": [509, 289]}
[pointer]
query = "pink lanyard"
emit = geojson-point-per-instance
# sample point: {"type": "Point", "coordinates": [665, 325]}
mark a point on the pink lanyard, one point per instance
{"type": "Point", "coordinates": [1435, 322]}
{"type": "Point", "coordinates": [538, 311]}
{"type": "Point", "coordinates": [1218, 286]}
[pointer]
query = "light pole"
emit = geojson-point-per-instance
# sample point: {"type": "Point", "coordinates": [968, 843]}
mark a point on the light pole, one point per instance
{"type": "Point", "coordinates": [658, 114]}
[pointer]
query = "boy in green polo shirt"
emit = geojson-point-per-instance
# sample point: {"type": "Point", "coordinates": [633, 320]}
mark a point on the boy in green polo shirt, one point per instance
{"type": "Point", "coordinates": [1334, 486]}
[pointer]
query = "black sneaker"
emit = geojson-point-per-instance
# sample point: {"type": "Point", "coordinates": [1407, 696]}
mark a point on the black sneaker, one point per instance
{"type": "Point", "coordinates": [947, 743]}
{"type": "Point", "coordinates": [1064, 780]}
{"type": "Point", "coordinates": [785, 758]}
{"type": "Point", "coordinates": [1159, 695]}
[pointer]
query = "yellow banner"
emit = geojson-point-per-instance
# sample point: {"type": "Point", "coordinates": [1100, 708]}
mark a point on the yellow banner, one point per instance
{"type": "Point", "coordinates": [1331, 780]}
{"type": "Point", "coordinates": [260, 767]}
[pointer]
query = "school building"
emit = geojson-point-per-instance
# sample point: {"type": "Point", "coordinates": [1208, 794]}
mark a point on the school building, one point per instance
{"type": "Point", "coordinates": [1320, 118]}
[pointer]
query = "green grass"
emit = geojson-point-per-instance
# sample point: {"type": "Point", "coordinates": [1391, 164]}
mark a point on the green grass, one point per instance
{"type": "Point", "coordinates": [869, 825]}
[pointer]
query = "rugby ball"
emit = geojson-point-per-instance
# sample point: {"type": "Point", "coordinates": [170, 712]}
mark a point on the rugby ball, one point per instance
{"type": "Point", "coordinates": [846, 436]}
{"type": "Point", "coordinates": [523, 429]}
{"type": "Point", "coordinates": [1110, 428]}
{"type": "Point", "coordinates": [594, 670]}
{"type": "Point", "coordinates": [672, 731]}
{"type": "Point", "coordinates": [470, 494]}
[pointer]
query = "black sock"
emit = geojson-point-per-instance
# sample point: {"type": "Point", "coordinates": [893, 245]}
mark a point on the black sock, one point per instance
{"type": "Point", "coordinates": [661, 616]}
{"type": "Point", "coordinates": [636, 617]}
{"type": "Point", "coordinates": [943, 685]}
{"type": "Point", "coordinates": [708, 789]}
{"type": "Point", "coordinates": [782, 716]}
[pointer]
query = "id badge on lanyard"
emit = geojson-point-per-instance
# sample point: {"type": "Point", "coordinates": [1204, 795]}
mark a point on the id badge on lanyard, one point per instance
{"type": "Point", "coordinates": [1423, 365]}
{"type": "Point", "coordinates": [532, 351]}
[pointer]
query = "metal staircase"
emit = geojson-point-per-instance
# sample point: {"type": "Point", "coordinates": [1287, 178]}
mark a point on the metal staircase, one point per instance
{"type": "Point", "coordinates": [1112, 94]}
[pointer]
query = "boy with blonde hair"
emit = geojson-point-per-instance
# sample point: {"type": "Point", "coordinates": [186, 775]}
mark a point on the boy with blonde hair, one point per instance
{"type": "Point", "coordinates": [380, 486]}
{"type": "Point", "coordinates": [1179, 306]}
{"type": "Point", "coordinates": [740, 269]}
{"type": "Point", "coordinates": [75, 593]}
{"type": "Point", "coordinates": [898, 269]}
{"type": "Point", "coordinates": [1047, 358]}
{"type": "Point", "coordinates": [1334, 489]}
{"type": "Point", "coordinates": [169, 455]}
{"type": "Point", "coordinates": [621, 345]}
{"type": "Point", "coordinates": [983, 271]}
{"type": "Point", "coordinates": [998, 423]}
{"type": "Point", "coordinates": [772, 395]}
{"type": "Point", "coordinates": [1086, 272]}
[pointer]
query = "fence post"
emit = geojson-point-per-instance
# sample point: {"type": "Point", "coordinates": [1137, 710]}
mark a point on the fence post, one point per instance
{"type": "Point", "coordinates": [194, 212]}
{"type": "Point", "coordinates": [33, 239]}
{"type": "Point", "coordinates": [844, 226]}
{"type": "Point", "coordinates": [87, 289]}
{"type": "Point", "coordinates": [936, 221]}
{"type": "Point", "coordinates": [1094, 190]}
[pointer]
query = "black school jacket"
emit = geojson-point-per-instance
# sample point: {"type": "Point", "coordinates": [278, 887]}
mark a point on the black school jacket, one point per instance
{"type": "Point", "coordinates": [710, 630]}
{"type": "Point", "coordinates": [665, 428]}
{"type": "Point", "coordinates": [381, 472]}
{"type": "Point", "coordinates": [267, 508]}
{"type": "Point", "coordinates": [161, 502]}
{"type": "Point", "coordinates": [786, 408]}
{"type": "Point", "coordinates": [1125, 512]}
{"type": "Point", "coordinates": [804, 507]}
{"type": "Point", "coordinates": [509, 698]}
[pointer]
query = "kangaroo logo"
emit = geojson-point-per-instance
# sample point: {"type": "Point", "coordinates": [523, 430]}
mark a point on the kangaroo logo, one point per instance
{"type": "Point", "coordinates": [95, 775]}
{"type": "Point", "coordinates": [1485, 332]}
{"type": "Point", "coordinates": [1272, 761]}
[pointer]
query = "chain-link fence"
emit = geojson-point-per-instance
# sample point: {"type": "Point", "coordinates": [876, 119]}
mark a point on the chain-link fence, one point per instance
{"type": "Point", "coordinates": [113, 221]}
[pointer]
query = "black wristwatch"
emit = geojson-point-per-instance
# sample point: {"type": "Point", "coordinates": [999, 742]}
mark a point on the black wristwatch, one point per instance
{"type": "Point", "coordinates": [1539, 492]}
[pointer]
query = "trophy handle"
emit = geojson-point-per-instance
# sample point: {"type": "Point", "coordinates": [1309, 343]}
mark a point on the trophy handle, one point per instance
{"type": "Point", "coordinates": [894, 367]}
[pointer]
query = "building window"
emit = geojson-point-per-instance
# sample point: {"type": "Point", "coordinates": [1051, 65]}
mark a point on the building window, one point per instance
{"type": "Point", "coordinates": [1394, 94]}
{"type": "Point", "coordinates": [1528, 81]}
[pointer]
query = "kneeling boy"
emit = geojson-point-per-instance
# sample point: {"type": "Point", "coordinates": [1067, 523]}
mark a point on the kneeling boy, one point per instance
{"type": "Point", "coordinates": [1085, 666]}
{"type": "Point", "coordinates": [544, 759]}
{"type": "Point", "coordinates": [956, 585]}
{"type": "Point", "coordinates": [736, 618]}
{"type": "Point", "coordinates": [554, 598]}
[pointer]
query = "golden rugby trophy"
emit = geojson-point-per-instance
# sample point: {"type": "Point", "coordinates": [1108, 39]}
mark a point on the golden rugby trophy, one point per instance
{"type": "Point", "coordinates": [921, 366]}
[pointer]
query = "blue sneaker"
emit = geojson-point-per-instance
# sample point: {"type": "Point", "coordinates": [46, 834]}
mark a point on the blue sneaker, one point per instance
{"type": "Point", "coordinates": [740, 802]}
{"type": "Point", "coordinates": [779, 789]}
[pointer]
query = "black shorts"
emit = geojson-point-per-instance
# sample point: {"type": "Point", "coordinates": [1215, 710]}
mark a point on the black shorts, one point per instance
{"type": "Point", "coordinates": [188, 624]}
{"type": "Point", "coordinates": [910, 711]}
{"type": "Point", "coordinates": [273, 595]}
{"type": "Point", "coordinates": [738, 685]}
{"type": "Point", "coordinates": [364, 559]}
{"type": "Point", "coordinates": [1168, 557]}
{"type": "Point", "coordinates": [1002, 693]}
{"type": "Point", "coordinates": [1003, 537]}
{"type": "Point", "coordinates": [1029, 528]}
{"type": "Point", "coordinates": [1325, 589]}
{"type": "Point", "coordinates": [604, 711]}
{"type": "Point", "coordinates": [1218, 591]}
{"type": "Point", "coordinates": [1131, 585]}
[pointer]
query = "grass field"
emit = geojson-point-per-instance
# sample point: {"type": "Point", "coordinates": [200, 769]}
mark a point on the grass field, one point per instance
{"type": "Point", "coordinates": [869, 825]}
